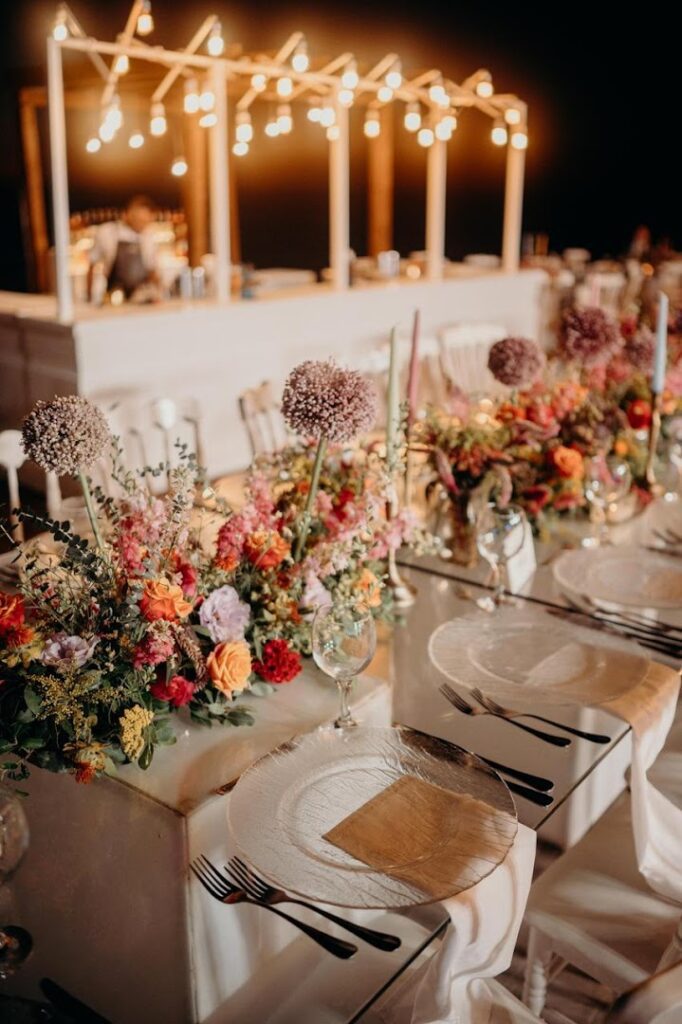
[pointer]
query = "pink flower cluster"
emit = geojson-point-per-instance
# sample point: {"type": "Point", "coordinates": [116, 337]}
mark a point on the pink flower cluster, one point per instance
{"type": "Point", "coordinates": [140, 528]}
{"type": "Point", "coordinates": [259, 514]}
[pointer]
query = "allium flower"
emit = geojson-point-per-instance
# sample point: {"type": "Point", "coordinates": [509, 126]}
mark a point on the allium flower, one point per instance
{"type": "Point", "coordinates": [515, 362]}
{"type": "Point", "coordinates": [279, 663]}
{"type": "Point", "coordinates": [225, 615]}
{"type": "Point", "coordinates": [321, 399]}
{"type": "Point", "coordinates": [640, 349]}
{"type": "Point", "coordinates": [65, 652]}
{"type": "Point", "coordinates": [65, 435]}
{"type": "Point", "coordinates": [588, 336]}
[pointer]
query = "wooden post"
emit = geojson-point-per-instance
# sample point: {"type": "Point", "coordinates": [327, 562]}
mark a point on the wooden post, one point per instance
{"type": "Point", "coordinates": [339, 228]}
{"type": "Point", "coordinates": [235, 234]}
{"type": "Point", "coordinates": [513, 208]}
{"type": "Point", "coordinates": [220, 186]}
{"type": "Point", "coordinates": [194, 189]}
{"type": "Point", "coordinates": [380, 180]}
{"type": "Point", "coordinates": [436, 180]}
{"type": "Point", "coordinates": [60, 181]}
{"type": "Point", "coordinates": [30, 141]}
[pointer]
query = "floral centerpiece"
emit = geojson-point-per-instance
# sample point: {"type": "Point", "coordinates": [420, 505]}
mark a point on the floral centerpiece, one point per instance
{"type": "Point", "coordinates": [178, 608]}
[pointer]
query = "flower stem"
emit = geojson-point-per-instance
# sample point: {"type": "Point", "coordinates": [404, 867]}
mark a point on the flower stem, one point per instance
{"type": "Point", "coordinates": [304, 525]}
{"type": "Point", "coordinates": [90, 508]}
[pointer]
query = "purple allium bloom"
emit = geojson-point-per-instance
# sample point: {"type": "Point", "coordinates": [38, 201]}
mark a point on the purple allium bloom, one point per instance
{"type": "Point", "coordinates": [516, 362]}
{"type": "Point", "coordinates": [225, 615]}
{"type": "Point", "coordinates": [65, 435]}
{"type": "Point", "coordinates": [321, 399]}
{"type": "Point", "coordinates": [588, 336]}
{"type": "Point", "coordinates": [640, 349]}
{"type": "Point", "coordinates": [65, 652]}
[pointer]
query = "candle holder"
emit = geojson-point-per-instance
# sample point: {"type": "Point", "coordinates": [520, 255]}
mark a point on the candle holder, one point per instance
{"type": "Point", "coordinates": [652, 484]}
{"type": "Point", "coordinates": [403, 593]}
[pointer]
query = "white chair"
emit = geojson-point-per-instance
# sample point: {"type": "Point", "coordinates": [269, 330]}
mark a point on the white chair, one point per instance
{"type": "Point", "coordinates": [593, 909]}
{"type": "Point", "coordinates": [262, 420]}
{"type": "Point", "coordinates": [465, 349]}
{"type": "Point", "coordinates": [12, 458]}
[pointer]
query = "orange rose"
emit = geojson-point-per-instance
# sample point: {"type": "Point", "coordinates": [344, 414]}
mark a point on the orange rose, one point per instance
{"type": "Point", "coordinates": [11, 613]}
{"type": "Point", "coordinates": [228, 561]}
{"type": "Point", "coordinates": [229, 666]}
{"type": "Point", "coordinates": [164, 600]}
{"type": "Point", "coordinates": [369, 588]}
{"type": "Point", "coordinates": [266, 549]}
{"type": "Point", "coordinates": [568, 462]}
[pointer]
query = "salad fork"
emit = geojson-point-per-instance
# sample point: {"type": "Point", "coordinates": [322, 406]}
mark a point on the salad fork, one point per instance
{"type": "Point", "coordinates": [259, 890]}
{"type": "Point", "coordinates": [470, 709]}
{"type": "Point", "coordinates": [497, 709]}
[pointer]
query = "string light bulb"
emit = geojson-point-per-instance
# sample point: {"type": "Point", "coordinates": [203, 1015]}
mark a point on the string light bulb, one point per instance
{"type": "Point", "coordinates": [413, 117]}
{"type": "Point", "coordinates": [106, 131]}
{"type": "Point", "coordinates": [450, 120]}
{"type": "Point", "coordinates": [384, 94]}
{"type": "Point", "coordinates": [333, 133]}
{"type": "Point", "coordinates": [244, 129]}
{"type": "Point", "coordinates": [191, 98]}
{"type": "Point", "coordinates": [394, 77]}
{"type": "Point", "coordinates": [179, 167]}
{"type": "Point", "coordinates": [372, 126]}
{"type": "Point", "coordinates": [346, 97]}
{"type": "Point", "coordinates": [240, 148]}
{"type": "Point", "coordinates": [284, 120]}
{"type": "Point", "coordinates": [207, 100]}
{"type": "Point", "coordinates": [158, 124]}
{"type": "Point", "coordinates": [145, 21]}
{"type": "Point", "coordinates": [60, 29]}
{"type": "Point", "coordinates": [258, 81]}
{"type": "Point", "coordinates": [301, 61]}
{"type": "Point", "coordinates": [208, 120]}
{"type": "Point", "coordinates": [425, 137]}
{"type": "Point", "coordinates": [136, 140]}
{"type": "Point", "coordinates": [438, 95]}
{"type": "Point", "coordinates": [512, 115]}
{"type": "Point", "coordinates": [484, 85]}
{"type": "Point", "coordinates": [314, 112]}
{"type": "Point", "coordinates": [93, 145]}
{"type": "Point", "coordinates": [215, 44]}
{"type": "Point", "coordinates": [498, 133]}
{"type": "Point", "coordinates": [285, 86]}
{"type": "Point", "coordinates": [350, 77]}
{"type": "Point", "coordinates": [122, 64]}
{"type": "Point", "coordinates": [519, 139]}
{"type": "Point", "coordinates": [327, 116]}
{"type": "Point", "coordinates": [443, 130]}
{"type": "Point", "coordinates": [272, 128]}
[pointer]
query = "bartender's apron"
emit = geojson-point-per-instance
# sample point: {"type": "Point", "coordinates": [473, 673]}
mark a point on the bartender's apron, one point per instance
{"type": "Point", "coordinates": [128, 271]}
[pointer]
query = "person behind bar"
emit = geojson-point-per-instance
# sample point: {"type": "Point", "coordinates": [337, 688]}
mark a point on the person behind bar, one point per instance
{"type": "Point", "coordinates": [125, 250]}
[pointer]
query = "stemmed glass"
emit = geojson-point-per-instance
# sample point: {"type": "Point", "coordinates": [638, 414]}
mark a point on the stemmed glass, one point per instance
{"type": "Point", "coordinates": [344, 642]}
{"type": "Point", "coordinates": [608, 479]}
{"type": "Point", "coordinates": [500, 533]}
{"type": "Point", "coordinates": [15, 942]}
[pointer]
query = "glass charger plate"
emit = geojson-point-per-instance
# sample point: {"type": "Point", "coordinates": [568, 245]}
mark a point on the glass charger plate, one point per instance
{"type": "Point", "coordinates": [621, 576]}
{"type": "Point", "coordinates": [282, 807]}
{"type": "Point", "coordinates": [524, 658]}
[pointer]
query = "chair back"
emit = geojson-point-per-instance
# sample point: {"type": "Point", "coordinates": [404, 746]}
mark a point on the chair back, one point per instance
{"type": "Point", "coordinates": [658, 1000]}
{"type": "Point", "coordinates": [12, 458]}
{"type": "Point", "coordinates": [465, 349]}
{"type": "Point", "coordinates": [262, 420]}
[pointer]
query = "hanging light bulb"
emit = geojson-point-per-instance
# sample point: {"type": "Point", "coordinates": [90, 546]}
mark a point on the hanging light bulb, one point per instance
{"type": "Point", "coordinates": [93, 145]}
{"type": "Point", "coordinates": [314, 112]}
{"type": "Point", "coordinates": [240, 148]}
{"type": "Point", "coordinates": [519, 139]}
{"type": "Point", "coordinates": [208, 120]}
{"type": "Point", "coordinates": [272, 126]}
{"type": "Point", "coordinates": [484, 85]}
{"type": "Point", "coordinates": [443, 130]}
{"type": "Point", "coordinates": [512, 115]}
{"type": "Point", "coordinates": [145, 21]}
{"type": "Point", "coordinates": [60, 29]}
{"type": "Point", "coordinates": [413, 117]}
{"type": "Point", "coordinates": [207, 99]}
{"type": "Point", "coordinates": [244, 129]}
{"type": "Point", "coordinates": [179, 167]}
{"type": "Point", "coordinates": [438, 95]}
{"type": "Point", "coordinates": [284, 119]}
{"type": "Point", "coordinates": [372, 126]}
{"type": "Point", "coordinates": [136, 140]}
{"type": "Point", "coordinates": [450, 120]}
{"type": "Point", "coordinates": [285, 86]}
{"type": "Point", "coordinates": [384, 94]}
{"type": "Point", "coordinates": [350, 77]}
{"type": "Point", "coordinates": [191, 99]}
{"type": "Point", "coordinates": [498, 133]}
{"type": "Point", "coordinates": [301, 61]}
{"type": "Point", "coordinates": [394, 77]}
{"type": "Point", "coordinates": [258, 81]}
{"type": "Point", "coordinates": [425, 137]}
{"type": "Point", "coordinates": [346, 97]}
{"type": "Point", "coordinates": [157, 120]}
{"type": "Point", "coordinates": [106, 131]}
{"type": "Point", "coordinates": [122, 64]}
{"type": "Point", "coordinates": [327, 116]}
{"type": "Point", "coordinates": [215, 43]}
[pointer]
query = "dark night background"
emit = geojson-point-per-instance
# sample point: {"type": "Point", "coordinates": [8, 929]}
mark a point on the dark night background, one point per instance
{"type": "Point", "coordinates": [604, 122]}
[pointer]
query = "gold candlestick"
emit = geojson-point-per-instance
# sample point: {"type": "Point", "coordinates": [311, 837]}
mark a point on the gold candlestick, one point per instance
{"type": "Point", "coordinates": [654, 434]}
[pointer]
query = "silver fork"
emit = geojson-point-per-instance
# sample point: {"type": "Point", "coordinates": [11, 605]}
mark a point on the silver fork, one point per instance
{"type": "Point", "coordinates": [497, 709]}
{"type": "Point", "coordinates": [469, 709]}
{"type": "Point", "coordinates": [225, 892]}
{"type": "Point", "coordinates": [259, 890]}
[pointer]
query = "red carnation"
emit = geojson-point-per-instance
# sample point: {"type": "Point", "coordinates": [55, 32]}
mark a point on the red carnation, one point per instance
{"type": "Point", "coordinates": [178, 690]}
{"type": "Point", "coordinates": [188, 576]}
{"type": "Point", "coordinates": [638, 413]}
{"type": "Point", "coordinates": [279, 663]}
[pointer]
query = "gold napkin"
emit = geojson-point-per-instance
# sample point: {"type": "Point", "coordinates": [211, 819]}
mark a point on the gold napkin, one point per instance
{"type": "Point", "coordinates": [644, 703]}
{"type": "Point", "coordinates": [438, 841]}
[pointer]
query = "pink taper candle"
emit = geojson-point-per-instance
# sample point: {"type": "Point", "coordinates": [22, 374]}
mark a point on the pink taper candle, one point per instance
{"type": "Point", "coordinates": [413, 375]}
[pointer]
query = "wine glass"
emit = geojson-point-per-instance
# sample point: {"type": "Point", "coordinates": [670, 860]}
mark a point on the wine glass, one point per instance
{"type": "Point", "coordinates": [15, 942]}
{"type": "Point", "coordinates": [608, 479]}
{"type": "Point", "coordinates": [344, 642]}
{"type": "Point", "coordinates": [500, 532]}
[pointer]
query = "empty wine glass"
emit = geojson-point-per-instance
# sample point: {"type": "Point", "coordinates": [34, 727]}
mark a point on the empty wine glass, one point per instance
{"type": "Point", "coordinates": [608, 479]}
{"type": "Point", "coordinates": [344, 642]}
{"type": "Point", "coordinates": [500, 533]}
{"type": "Point", "coordinates": [15, 942]}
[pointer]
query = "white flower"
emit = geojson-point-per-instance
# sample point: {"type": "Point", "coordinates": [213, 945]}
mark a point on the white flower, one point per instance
{"type": "Point", "coordinates": [315, 595]}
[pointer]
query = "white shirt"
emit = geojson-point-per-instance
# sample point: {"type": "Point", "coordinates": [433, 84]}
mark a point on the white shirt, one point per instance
{"type": "Point", "coordinates": [107, 237]}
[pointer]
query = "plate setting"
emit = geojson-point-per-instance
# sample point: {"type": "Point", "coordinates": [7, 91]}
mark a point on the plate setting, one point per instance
{"type": "Point", "coordinates": [631, 576]}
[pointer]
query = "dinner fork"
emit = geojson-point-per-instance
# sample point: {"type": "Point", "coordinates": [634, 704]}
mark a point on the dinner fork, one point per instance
{"type": "Point", "coordinates": [497, 709]}
{"type": "Point", "coordinates": [469, 709]}
{"type": "Point", "coordinates": [223, 891]}
{"type": "Point", "coordinates": [259, 890]}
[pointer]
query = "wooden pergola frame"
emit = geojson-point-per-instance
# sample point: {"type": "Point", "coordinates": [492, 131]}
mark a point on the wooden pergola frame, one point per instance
{"type": "Point", "coordinates": [323, 84]}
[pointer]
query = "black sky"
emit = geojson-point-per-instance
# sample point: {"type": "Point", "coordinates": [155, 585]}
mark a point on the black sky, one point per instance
{"type": "Point", "coordinates": [601, 85]}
